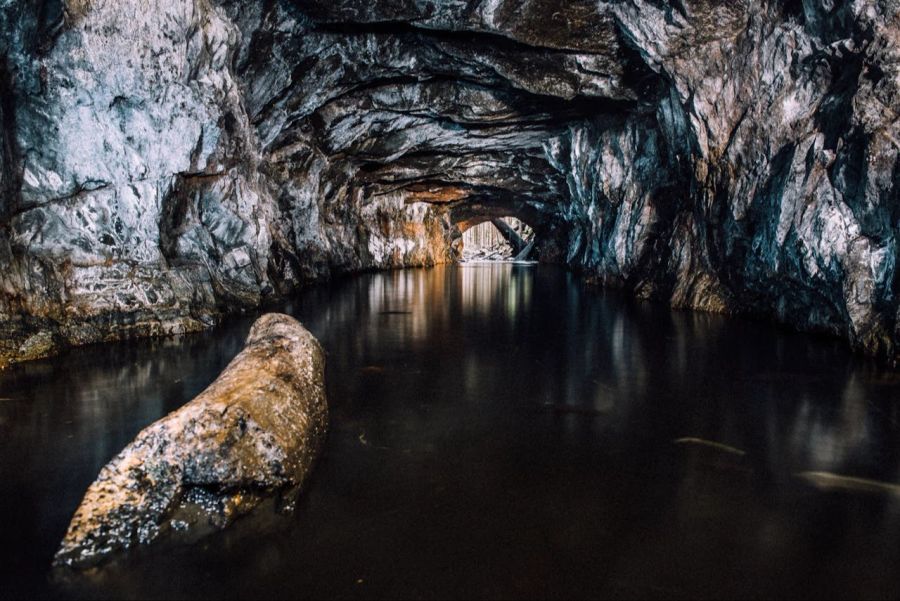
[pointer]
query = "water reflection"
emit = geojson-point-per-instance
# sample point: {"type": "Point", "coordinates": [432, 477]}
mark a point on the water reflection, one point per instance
{"type": "Point", "coordinates": [497, 430]}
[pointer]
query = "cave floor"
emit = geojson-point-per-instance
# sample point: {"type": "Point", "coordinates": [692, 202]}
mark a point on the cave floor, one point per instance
{"type": "Point", "coordinates": [497, 430]}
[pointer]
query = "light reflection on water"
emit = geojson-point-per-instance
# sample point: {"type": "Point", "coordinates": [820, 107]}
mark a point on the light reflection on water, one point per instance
{"type": "Point", "coordinates": [497, 430]}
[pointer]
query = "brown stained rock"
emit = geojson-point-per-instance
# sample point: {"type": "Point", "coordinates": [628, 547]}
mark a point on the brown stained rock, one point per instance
{"type": "Point", "coordinates": [252, 435]}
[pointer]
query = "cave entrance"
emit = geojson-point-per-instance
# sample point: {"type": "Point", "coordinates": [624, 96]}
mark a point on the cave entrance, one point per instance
{"type": "Point", "coordinates": [533, 232]}
{"type": "Point", "coordinates": [498, 239]}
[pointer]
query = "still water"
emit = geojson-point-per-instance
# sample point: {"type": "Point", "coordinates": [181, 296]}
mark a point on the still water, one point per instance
{"type": "Point", "coordinates": [496, 431]}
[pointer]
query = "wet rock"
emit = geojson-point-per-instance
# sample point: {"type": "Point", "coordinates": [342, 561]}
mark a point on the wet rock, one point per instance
{"type": "Point", "coordinates": [724, 156]}
{"type": "Point", "coordinates": [40, 345]}
{"type": "Point", "coordinates": [252, 435]}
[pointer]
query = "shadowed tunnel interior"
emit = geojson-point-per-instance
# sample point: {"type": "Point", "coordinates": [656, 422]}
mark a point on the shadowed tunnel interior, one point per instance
{"type": "Point", "coordinates": [453, 117]}
{"type": "Point", "coordinates": [172, 167]}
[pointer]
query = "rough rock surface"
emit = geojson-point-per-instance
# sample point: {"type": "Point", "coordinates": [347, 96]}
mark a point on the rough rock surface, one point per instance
{"type": "Point", "coordinates": [252, 434]}
{"type": "Point", "coordinates": [165, 162]}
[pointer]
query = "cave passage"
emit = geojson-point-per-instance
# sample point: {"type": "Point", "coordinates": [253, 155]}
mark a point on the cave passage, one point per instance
{"type": "Point", "coordinates": [159, 175]}
{"type": "Point", "coordinates": [452, 194]}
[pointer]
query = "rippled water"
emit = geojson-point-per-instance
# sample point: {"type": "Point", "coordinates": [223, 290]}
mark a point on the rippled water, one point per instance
{"type": "Point", "coordinates": [497, 431]}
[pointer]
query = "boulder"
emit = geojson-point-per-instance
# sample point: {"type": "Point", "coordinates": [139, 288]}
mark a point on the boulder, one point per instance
{"type": "Point", "coordinates": [252, 435]}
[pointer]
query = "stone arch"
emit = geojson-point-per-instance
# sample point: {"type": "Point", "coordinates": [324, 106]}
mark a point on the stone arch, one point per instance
{"type": "Point", "coordinates": [548, 225]}
{"type": "Point", "coordinates": [470, 214]}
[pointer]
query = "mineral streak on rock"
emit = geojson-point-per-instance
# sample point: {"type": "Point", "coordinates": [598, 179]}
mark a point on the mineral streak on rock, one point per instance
{"type": "Point", "coordinates": [253, 434]}
{"type": "Point", "coordinates": [164, 163]}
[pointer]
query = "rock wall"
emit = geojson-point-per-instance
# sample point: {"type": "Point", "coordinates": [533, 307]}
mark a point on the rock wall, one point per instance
{"type": "Point", "coordinates": [766, 181]}
{"type": "Point", "coordinates": [165, 162]}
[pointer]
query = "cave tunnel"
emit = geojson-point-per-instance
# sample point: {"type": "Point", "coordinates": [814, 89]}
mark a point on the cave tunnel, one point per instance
{"type": "Point", "coordinates": [299, 139]}
{"type": "Point", "coordinates": [427, 123]}
{"type": "Point", "coordinates": [232, 232]}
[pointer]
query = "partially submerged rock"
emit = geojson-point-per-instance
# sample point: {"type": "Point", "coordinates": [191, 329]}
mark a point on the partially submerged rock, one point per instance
{"type": "Point", "coordinates": [252, 435]}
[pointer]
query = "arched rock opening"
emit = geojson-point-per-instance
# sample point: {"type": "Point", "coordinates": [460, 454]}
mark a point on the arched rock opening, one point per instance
{"type": "Point", "coordinates": [550, 232]}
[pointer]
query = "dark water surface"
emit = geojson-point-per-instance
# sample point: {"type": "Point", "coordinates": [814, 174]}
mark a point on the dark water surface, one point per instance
{"type": "Point", "coordinates": [497, 431]}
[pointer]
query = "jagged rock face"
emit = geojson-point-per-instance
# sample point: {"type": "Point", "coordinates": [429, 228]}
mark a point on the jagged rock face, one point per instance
{"type": "Point", "coordinates": [164, 163]}
{"type": "Point", "coordinates": [767, 179]}
{"type": "Point", "coordinates": [253, 434]}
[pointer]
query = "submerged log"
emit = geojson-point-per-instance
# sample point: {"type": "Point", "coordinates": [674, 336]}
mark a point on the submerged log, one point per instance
{"type": "Point", "coordinates": [252, 435]}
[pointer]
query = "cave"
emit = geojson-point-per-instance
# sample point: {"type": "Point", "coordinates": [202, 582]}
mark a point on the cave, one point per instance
{"type": "Point", "coordinates": [606, 291]}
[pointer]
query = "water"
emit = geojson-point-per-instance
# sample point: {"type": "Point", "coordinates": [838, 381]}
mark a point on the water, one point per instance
{"type": "Point", "coordinates": [497, 431]}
